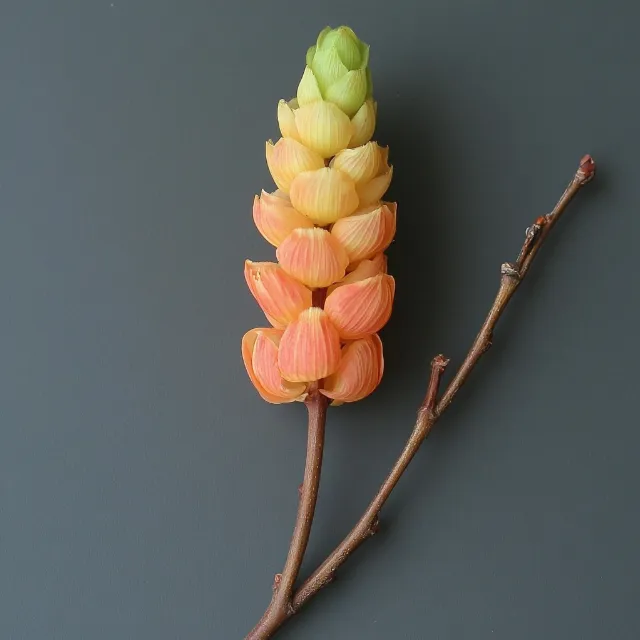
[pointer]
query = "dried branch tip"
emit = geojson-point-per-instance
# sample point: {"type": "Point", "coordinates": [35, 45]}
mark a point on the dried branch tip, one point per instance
{"type": "Point", "coordinates": [438, 365]}
{"type": "Point", "coordinates": [586, 170]}
{"type": "Point", "coordinates": [440, 362]}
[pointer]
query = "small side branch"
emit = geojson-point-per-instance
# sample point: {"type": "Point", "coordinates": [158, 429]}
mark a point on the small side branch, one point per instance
{"type": "Point", "coordinates": [438, 365]}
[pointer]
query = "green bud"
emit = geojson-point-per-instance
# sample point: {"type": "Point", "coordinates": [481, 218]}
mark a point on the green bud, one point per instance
{"type": "Point", "coordinates": [345, 42]}
{"type": "Point", "coordinates": [338, 63]}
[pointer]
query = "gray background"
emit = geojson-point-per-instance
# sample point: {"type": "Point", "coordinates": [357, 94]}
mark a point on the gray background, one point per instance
{"type": "Point", "coordinates": [147, 492]}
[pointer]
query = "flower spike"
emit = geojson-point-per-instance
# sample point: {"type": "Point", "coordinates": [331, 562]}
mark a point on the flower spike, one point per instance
{"type": "Point", "coordinates": [329, 293]}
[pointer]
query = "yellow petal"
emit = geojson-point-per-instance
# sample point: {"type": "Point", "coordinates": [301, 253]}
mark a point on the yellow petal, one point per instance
{"type": "Point", "coordinates": [361, 308]}
{"type": "Point", "coordinates": [364, 235]}
{"type": "Point", "coordinates": [309, 348]}
{"type": "Point", "coordinates": [373, 190]}
{"type": "Point", "coordinates": [260, 356]}
{"type": "Point", "coordinates": [287, 121]}
{"type": "Point", "coordinates": [360, 164]}
{"type": "Point", "coordinates": [359, 372]}
{"type": "Point", "coordinates": [313, 256]}
{"type": "Point", "coordinates": [288, 158]}
{"type": "Point", "coordinates": [280, 296]}
{"type": "Point", "coordinates": [324, 195]}
{"type": "Point", "coordinates": [384, 156]}
{"type": "Point", "coordinates": [276, 218]}
{"type": "Point", "coordinates": [308, 89]}
{"type": "Point", "coordinates": [363, 124]}
{"type": "Point", "coordinates": [323, 127]}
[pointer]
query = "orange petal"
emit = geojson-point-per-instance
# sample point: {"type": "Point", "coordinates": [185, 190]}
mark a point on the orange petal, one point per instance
{"type": "Point", "coordinates": [366, 234]}
{"type": "Point", "coordinates": [361, 164]}
{"type": "Point", "coordinates": [380, 262]}
{"type": "Point", "coordinates": [280, 296]}
{"type": "Point", "coordinates": [287, 120]}
{"type": "Point", "coordinates": [288, 158]}
{"type": "Point", "coordinates": [373, 190]}
{"type": "Point", "coordinates": [391, 223]}
{"type": "Point", "coordinates": [323, 127]}
{"type": "Point", "coordinates": [324, 195]}
{"type": "Point", "coordinates": [361, 308]}
{"type": "Point", "coordinates": [313, 256]}
{"type": "Point", "coordinates": [276, 218]}
{"type": "Point", "coordinates": [309, 348]}
{"type": "Point", "coordinates": [363, 124]}
{"type": "Point", "coordinates": [260, 356]}
{"type": "Point", "coordinates": [364, 269]}
{"type": "Point", "coordinates": [359, 372]}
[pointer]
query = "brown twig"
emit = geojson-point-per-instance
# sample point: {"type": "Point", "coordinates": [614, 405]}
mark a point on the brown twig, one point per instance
{"type": "Point", "coordinates": [431, 409]}
{"type": "Point", "coordinates": [512, 275]}
{"type": "Point", "coordinates": [368, 523]}
{"type": "Point", "coordinates": [280, 607]}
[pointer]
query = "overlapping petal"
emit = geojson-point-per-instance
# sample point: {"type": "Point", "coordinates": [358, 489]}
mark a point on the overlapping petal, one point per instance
{"type": "Point", "coordinates": [288, 158]}
{"type": "Point", "coordinates": [323, 127]}
{"type": "Point", "coordinates": [324, 195]}
{"type": "Point", "coordinates": [260, 356]}
{"type": "Point", "coordinates": [364, 269]}
{"type": "Point", "coordinates": [349, 92]}
{"type": "Point", "coordinates": [287, 119]}
{"type": "Point", "coordinates": [276, 218]}
{"type": "Point", "coordinates": [363, 124]}
{"type": "Point", "coordinates": [281, 297]}
{"type": "Point", "coordinates": [309, 348]}
{"type": "Point", "coordinates": [363, 235]}
{"type": "Point", "coordinates": [359, 372]}
{"type": "Point", "coordinates": [361, 164]}
{"type": "Point", "coordinates": [308, 89]}
{"type": "Point", "coordinates": [361, 308]}
{"type": "Point", "coordinates": [372, 191]}
{"type": "Point", "coordinates": [313, 256]}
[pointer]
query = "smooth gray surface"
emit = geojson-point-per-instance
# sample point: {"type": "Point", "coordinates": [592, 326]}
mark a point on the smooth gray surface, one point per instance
{"type": "Point", "coordinates": [147, 492]}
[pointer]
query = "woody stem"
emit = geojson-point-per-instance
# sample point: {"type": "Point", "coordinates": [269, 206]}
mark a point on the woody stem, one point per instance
{"type": "Point", "coordinates": [280, 608]}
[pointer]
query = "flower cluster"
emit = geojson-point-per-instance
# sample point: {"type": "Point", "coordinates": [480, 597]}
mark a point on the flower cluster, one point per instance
{"type": "Point", "coordinates": [329, 293]}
